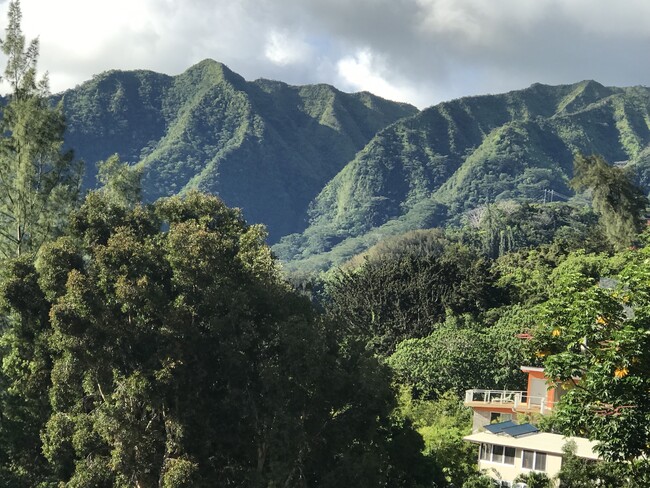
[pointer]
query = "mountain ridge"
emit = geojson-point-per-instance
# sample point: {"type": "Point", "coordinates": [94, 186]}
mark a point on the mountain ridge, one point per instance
{"type": "Point", "coordinates": [465, 153]}
{"type": "Point", "coordinates": [330, 173]}
{"type": "Point", "coordinates": [266, 147]}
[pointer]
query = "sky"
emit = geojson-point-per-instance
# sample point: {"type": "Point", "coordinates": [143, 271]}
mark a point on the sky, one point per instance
{"type": "Point", "coordinates": [416, 51]}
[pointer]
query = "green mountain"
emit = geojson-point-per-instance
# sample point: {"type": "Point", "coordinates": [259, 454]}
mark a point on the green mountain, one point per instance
{"type": "Point", "coordinates": [431, 167]}
{"type": "Point", "coordinates": [331, 173]}
{"type": "Point", "coordinates": [264, 146]}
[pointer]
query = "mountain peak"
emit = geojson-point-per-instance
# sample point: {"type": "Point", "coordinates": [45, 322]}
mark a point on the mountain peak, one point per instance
{"type": "Point", "coordinates": [212, 70]}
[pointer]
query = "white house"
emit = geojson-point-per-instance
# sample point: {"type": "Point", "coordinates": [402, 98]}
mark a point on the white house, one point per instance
{"type": "Point", "coordinates": [508, 449]}
{"type": "Point", "coordinates": [504, 457]}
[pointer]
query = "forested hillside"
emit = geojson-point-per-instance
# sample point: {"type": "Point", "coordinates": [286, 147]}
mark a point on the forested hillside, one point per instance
{"type": "Point", "coordinates": [159, 343]}
{"type": "Point", "coordinates": [331, 174]}
{"type": "Point", "coordinates": [264, 146]}
{"type": "Point", "coordinates": [432, 167]}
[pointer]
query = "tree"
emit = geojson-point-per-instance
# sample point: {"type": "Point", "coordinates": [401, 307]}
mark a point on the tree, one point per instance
{"type": "Point", "coordinates": [480, 481]}
{"type": "Point", "coordinates": [443, 423]}
{"type": "Point", "coordinates": [176, 356]}
{"type": "Point", "coordinates": [578, 472]}
{"type": "Point", "coordinates": [38, 182]}
{"type": "Point", "coordinates": [120, 182]}
{"type": "Point", "coordinates": [593, 332]}
{"type": "Point", "coordinates": [396, 296]}
{"type": "Point", "coordinates": [535, 480]}
{"type": "Point", "coordinates": [619, 203]}
{"type": "Point", "coordinates": [453, 357]}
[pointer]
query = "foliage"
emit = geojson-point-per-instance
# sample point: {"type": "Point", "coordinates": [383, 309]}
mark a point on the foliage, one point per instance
{"type": "Point", "coordinates": [453, 358]}
{"type": "Point", "coordinates": [403, 295]}
{"type": "Point", "coordinates": [38, 182]}
{"type": "Point", "coordinates": [179, 358]}
{"type": "Point", "coordinates": [480, 481]}
{"type": "Point", "coordinates": [596, 330]}
{"type": "Point", "coordinates": [355, 169]}
{"type": "Point", "coordinates": [474, 154]}
{"type": "Point", "coordinates": [443, 423]}
{"type": "Point", "coordinates": [535, 479]}
{"type": "Point", "coordinates": [577, 472]}
{"type": "Point", "coordinates": [120, 182]}
{"type": "Point", "coordinates": [462, 354]}
{"type": "Point", "coordinates": [263, 146]}
{"type": "Point", "coordinates": [619, 203]}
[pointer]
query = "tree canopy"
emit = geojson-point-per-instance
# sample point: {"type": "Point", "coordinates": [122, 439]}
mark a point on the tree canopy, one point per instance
{"type": "Point", "coordinates": [616, 199]}
{"type": "Point", "coordinates": [178, 357]}
{"type": "Point", "coordinates": [593, 331]}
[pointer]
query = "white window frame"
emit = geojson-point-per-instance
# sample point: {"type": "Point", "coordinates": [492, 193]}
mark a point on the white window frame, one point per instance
{"type": "Point", "coordinates": [490, 458]}
{"type": "Point", "coordinates": [535, 454]}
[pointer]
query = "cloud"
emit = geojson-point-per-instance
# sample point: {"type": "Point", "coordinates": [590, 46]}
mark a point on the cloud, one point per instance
{"type": "Point", "coordinates": [283, 49]}
{"type": "Point", "coordinates": [364, 72]}
{"type": "Point", "coordinates": [421, 51]}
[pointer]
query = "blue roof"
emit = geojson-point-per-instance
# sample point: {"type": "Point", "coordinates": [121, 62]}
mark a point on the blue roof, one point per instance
{"type": "Point", "coordinates": [498, 428]}
{"type": "Point", "coordinates": [520, 430]}
{"type": "Point", "coordinates": [512, 429]}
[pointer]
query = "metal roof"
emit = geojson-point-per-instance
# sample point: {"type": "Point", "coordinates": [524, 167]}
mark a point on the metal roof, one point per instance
{"type": "Point", "coordinates": [500, 427]}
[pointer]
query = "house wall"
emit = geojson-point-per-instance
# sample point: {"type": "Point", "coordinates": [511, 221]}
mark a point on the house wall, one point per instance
{"type": "Point", "coordinates": [539, 375]}
{"type": "Point", "coordinates": [507, 472]}
{"type": "Point", "coordinates": [482, 416]}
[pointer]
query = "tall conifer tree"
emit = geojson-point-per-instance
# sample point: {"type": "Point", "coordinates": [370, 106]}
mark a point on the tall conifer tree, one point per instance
{"type": "Point", "coordinates": [619, 203]}
{"type": "Point", "coordinates": [38, 181]}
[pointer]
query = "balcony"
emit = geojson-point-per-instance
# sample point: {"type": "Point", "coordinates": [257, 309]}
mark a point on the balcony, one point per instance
{"type": "Point", "coordinates": [518, 401]}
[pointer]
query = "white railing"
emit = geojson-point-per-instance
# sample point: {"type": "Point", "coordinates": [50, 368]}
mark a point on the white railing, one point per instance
{"type": "Point", "coordinates": [494, 396]}
{"type": "Point", "coordinates": [518, 399]}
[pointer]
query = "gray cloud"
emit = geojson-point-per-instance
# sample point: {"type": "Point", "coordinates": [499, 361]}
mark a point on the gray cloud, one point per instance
{"type": "Point", "coordinates": [421, 51]}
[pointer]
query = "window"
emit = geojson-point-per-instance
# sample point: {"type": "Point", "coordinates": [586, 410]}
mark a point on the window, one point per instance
{"type": "Point", "coordinates": [534, 460]}
{"type": "Point", "coordinates": [486, 452]}
{"type": "Point", "coordinates": [509, 456]}
{"type": "Point", "coordinates": [497, 454]}
{"type": "Point", "coordinates": [499, 417]}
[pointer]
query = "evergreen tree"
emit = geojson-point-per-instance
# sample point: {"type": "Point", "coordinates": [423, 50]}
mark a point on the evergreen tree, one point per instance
{"type": "Point", "coordinates": [38, 181]}
{"type": "Point", "coordinates": [120, 182]}
{"type": "Point", "coordinates": [619, 203]}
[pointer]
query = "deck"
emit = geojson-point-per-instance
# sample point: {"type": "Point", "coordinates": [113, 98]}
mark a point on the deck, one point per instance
{"type": "Point", "coordinates": [518, 401]}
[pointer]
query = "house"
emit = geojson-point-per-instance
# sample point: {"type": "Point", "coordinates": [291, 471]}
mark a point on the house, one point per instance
{"type": "Point", "coordinates": [508, 449]}
{"type": "Point", "coordinates": [505, 455]}
{"type": "Point", "coordinates": [500, 405]}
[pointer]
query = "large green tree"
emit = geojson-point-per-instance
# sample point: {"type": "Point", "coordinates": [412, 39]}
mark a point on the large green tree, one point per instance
{"type": "Point", "coordinates": [403, 294]}
{"type": "Point", "coordinates": [174, 355]}
{"type": "Point", "coordinates": [38, 181]}
{"type": "Point", "coordinates": [593, 331]}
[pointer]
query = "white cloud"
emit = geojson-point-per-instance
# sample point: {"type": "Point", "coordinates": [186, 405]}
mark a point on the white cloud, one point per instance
{"type": "Point", "coordinates": [421, 51]}
{"type": "Point", "coordinates": [282, 49]}
{"type": "Point", "coordinates": [365, 72]}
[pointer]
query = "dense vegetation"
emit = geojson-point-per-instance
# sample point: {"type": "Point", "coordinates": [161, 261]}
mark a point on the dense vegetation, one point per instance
{"type": "Point", "coordinates": [331, 174]}
{"type": "Point", "coordinates": [179, 358]}
{"type": "Point", "coordinates": [434, 167]}
{"type": "Point", "coordinates": [159, 344]}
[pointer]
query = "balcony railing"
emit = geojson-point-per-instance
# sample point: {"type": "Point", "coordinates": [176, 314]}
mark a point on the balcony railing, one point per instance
{"type": "Point", "coordinates": [518, 400]}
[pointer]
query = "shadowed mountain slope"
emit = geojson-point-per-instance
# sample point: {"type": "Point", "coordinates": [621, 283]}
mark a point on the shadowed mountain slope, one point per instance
{"type": "Point", "coordinates": [433, 166]}
{"type": "Point", "coordinates": [264, 146]}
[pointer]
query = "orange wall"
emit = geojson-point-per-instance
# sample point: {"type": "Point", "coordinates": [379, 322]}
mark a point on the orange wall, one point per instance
{"type": "Point", "coordinates": [550, 392]}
